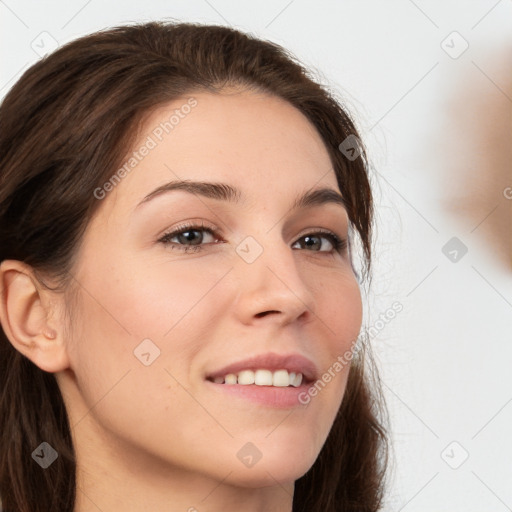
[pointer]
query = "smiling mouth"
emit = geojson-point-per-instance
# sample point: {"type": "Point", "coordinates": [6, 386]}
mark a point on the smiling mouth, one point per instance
{"type": "Point", "coordinates": [267, 370]}
{"type": "Point", "coordinates": [261, 377]}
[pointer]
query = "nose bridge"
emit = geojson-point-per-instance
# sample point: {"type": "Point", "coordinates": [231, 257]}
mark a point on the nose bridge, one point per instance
{"type": "Point", "coordinates": [271, 280]}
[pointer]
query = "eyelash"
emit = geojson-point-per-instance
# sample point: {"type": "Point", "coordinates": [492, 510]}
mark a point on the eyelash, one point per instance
{"type": "Point", "coordinates": [339, 244]}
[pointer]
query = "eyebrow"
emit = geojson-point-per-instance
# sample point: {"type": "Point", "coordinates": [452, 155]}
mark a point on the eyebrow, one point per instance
{"type": "Point", "coordinates": [225, 192]}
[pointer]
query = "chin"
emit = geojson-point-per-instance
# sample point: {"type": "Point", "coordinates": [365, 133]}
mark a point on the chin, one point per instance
{"type": "Point", "coordinates": [268, 475]}
{"type": "Point", "coordinates": [278, 466]}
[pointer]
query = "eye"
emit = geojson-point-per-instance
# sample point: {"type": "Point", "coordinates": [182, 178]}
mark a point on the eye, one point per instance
{"type": "Point", "coordinates": [189, 237]}
{"type": "Point", "coordinates": [322, 241]}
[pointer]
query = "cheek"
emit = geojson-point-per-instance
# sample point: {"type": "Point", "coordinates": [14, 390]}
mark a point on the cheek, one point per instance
{"type": "Point", "coordinates": [153, 299]}
{"type": "Point", "coordinates": [339, 308]}
{"type": "Point", "coordinates": [123, 306]}
{"type": "Point", "coordinates": [339, 303]}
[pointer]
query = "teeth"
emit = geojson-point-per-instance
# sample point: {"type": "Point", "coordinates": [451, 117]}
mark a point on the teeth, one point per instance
{"type": "Point", "coordinates": [279, 378]}
{"type": "Point", "coordinates": [230, 378]}
{"type": "Point", "coordinates": [263, 378]}
{"type": "Point", "coordinates": [246, 377]}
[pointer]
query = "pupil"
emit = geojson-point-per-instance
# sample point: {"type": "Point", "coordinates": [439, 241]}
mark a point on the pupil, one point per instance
{"type": "Point", "coordinates": [189, 237]}
{"type": "Point", "coordinates": [310, 241]}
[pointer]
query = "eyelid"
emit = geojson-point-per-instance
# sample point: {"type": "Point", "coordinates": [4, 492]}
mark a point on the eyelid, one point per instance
{"type": "Point", "coordinates": [191, 225]}
{"type": "Point", "coordinates": [317, 230]}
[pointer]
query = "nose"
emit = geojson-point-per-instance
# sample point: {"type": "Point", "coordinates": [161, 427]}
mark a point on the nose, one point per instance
{"type": "Point", "coordinates": [272, 288]}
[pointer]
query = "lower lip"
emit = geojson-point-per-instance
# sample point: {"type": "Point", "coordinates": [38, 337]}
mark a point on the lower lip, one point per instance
{"type": "Point", "coordinates": [271, 396]}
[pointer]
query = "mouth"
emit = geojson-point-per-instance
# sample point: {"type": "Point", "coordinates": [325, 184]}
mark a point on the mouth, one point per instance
{"type": "Point", "coordinates": [261, 377]}
{"type": "Point", "coordinates": [270, 379]}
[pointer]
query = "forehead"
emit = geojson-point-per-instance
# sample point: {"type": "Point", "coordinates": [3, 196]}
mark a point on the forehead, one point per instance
{"type": "Point", "coordinates": [256, 142]}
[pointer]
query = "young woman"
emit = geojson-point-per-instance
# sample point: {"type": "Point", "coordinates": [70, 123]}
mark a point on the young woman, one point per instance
{"type": "Point", "coordinates": [180, 303]}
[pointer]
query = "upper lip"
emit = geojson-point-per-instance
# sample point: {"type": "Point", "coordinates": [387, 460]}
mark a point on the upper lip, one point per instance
{"type": "Point", "coordinates": [271, 361]}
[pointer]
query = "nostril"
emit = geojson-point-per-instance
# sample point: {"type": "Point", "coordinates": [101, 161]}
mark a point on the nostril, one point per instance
{"type": "Point", "coordinates": [259, 315]}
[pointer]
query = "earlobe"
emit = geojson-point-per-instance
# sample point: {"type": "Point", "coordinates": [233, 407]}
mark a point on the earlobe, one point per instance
{"type": "Point", "coordinates": [25, 314]}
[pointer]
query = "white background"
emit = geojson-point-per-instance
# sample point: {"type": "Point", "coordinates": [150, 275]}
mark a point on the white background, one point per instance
{"type": "Point", "coordinates": [438, 126]}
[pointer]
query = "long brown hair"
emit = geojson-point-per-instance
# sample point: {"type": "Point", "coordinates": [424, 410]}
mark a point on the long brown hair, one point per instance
{"type": "Point", "coordinates": [65, 127]}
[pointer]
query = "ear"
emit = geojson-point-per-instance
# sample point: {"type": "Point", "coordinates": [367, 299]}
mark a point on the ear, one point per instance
{"type": "Point", "coordinates": [28, 314]}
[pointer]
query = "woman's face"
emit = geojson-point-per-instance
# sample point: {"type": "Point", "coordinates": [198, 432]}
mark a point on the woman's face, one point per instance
{"type": "Point", "coordinates": [176, 286]}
